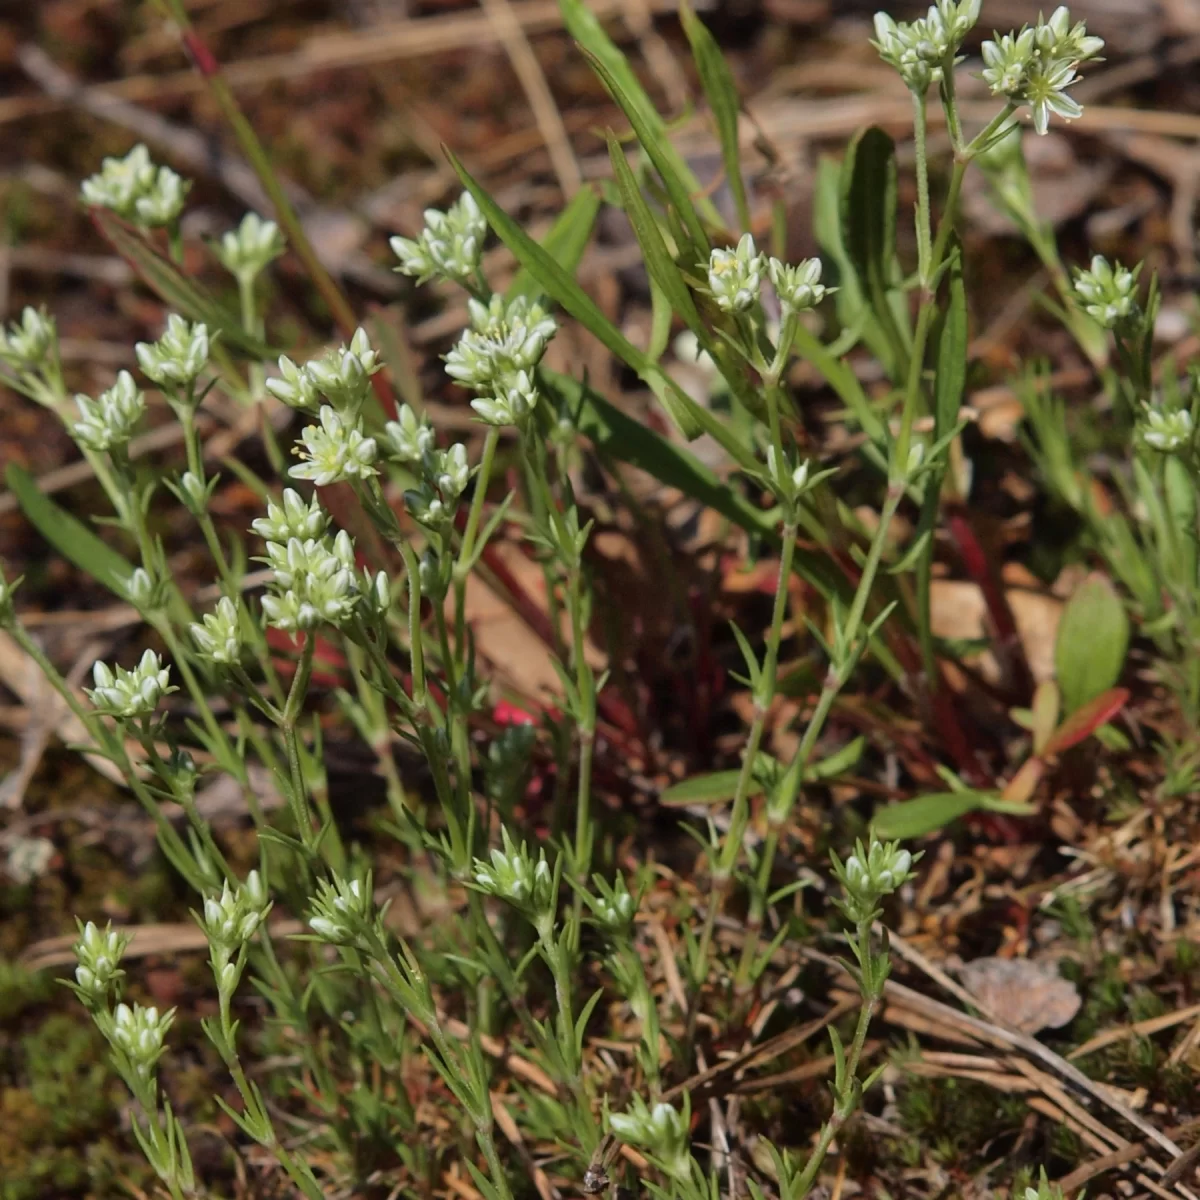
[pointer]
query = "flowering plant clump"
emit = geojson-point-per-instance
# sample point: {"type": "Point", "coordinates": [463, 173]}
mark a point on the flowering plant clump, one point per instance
{"type": "Point", "coordinates": [497, 955]}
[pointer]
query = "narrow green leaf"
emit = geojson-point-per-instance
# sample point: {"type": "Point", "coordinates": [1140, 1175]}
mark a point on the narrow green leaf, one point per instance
{"type": "Point", "coordinates": [951, 376]}
{"type": "Point", "coordinates": [723, 99]}
{"type": "Point", "coordinates": [566, 241]}
{"type": "Point", "coordinates": [70, 537]}
{"type": "Point", "coordinates": [582, 24]}
{"type": "Point", "coordinates": [659, 262]}
{"type": "Point", "coordinates": [1093, 635]}
{"type": "Point", "coordinates": [867, 207]}
{"type": "Point", "coordinates": [661, 319]}
{"type": "Point", "coordinates": [923, 814]}
{"type": "Point", "coordinates": [655, 145]}
{"type": "Point", "coordinates": [174, 288]}
{"type": "Point", "coordinates": [713, 788]}
{"type": "Point", "coordinates": [839, 762]}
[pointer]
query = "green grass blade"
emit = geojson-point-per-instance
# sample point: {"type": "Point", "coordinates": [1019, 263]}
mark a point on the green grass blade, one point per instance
{"type": "Point", "coordinates": [583, 26]}
{"type": "Point", "coordinates": [566, 242]}
{"type": "Point", "coordinates": [723, 99]}
{"type": "Point", "coordinates": [657, 148]}
{"type": "Point", "coordinates": [69, 536]}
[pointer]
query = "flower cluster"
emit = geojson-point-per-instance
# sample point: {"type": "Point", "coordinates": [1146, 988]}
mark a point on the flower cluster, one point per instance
{"type": "Point", "coordinates": [342, 910]}
{"type": "Point", "coordinates": [28, 345]}
{"type": "Point", "coordinates": [514, 875]}
{"type": "Point", "coordinates": [291, 519]}
{"type": "Point", "coordinates": [1038, 64]}
{"type": "Point", "coordinates": [315, 580]}
{"type": "Point", "coordinates": [662, 1130]}
{"type": "Point", "coordinates": [1107, 292]}
{"type": "Point", "coordinates": [340, 376]}
{"type": "Point", "coordinates": [219, 639]}
{"type": "Point", "coordinates": [244, 252]}
{"type": "Point", "coordinates": [138, 1033]}
{"type": "Point", "coordinates": [335, 451]}
{"type": "Point", "coordinates": [870, 874]}
{"type": "Point", "coordinates": [108, 422]}
{"type": "Point", "coordinates": [735, 279]}
{"type": "Point", "coordinates": [444, 478]}
{"type": "Point", "coordinates": [99, 953]}
{"type": "Point", "coordinates": [922, 50]}
{"type": "Point", "coordinates": [178, 357]}
{"type": "Point", "coordinates": [230, 920]}
{"type": "Point", "coordinates": [735, 276]}
{"type": "Point", "coordinates": [448, 247]}
{"type": "Point", "coordinates": [612, 906]}
{"type": "Point", "coordinates": [137, 190]}
{"type": "Point", "coordinates": [130, 694]}
{"type": "Point", "coordinates": [410, 437]}
{"type": "Point", "coordinates": [1167, 432]}
{"type": "Point", "coordinates": [504, 339]}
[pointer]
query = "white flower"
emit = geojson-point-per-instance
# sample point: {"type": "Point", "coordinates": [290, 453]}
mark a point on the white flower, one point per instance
{"type": "Point", "coordinates": [136, 190]}
{"type": "Point", "coordinates": [291, 519]}
{"type": "Point", "coordinates": [798, 287]}
{"type": "Point", "coordinates": [1108, 291]}
{"type": "Point", "coordinates": [335, 451]}
{"type": "Point", "coordinates": [409, 437]}
{"type": "Point", "coordinates": [31, 343]}
{"type": "Point", "coordinates": [1037, 65]}
{"type": "Point", "coordinates": [99, 952]}
{"type": "Point", "coordinates": [129, 694]}
{"type": "Point", "coordinates": [512, 403]}
{"type": "Point", "coordinates": [219, 639]}
{"type": "Point", "coordinates": [504, 339]}
{"type": "Point", "coordinates": [178, 357]}
{"type": "Point", "coordinates": [108, 422]}
{"type": "Point", "coordinates": [316, 582]}
{"type": "Point", "coordinates": [244, 252]}
{"type": "Point", "coordinates": [1167, 432]}
{"type": "Point", "coordinates": [735, 276]}
{"type": "Point", "coordinates": [448, 247]}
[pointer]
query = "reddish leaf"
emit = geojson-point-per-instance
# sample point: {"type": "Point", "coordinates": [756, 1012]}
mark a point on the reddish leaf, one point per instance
{"type": "Point", "coordinates": [1083, 722]}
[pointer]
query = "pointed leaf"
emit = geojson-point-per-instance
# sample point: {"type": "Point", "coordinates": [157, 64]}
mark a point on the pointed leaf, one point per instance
{"type": "Point", "coordinates": [923, 814]}
{"type": "Point", "coordinates": [712, 788]}
{"type": "Point", "coordinates": [1084, 721]}
{"type": "Point", "coordinates": [566, 241]}
{"type": "Point", "coordinates": [70, 537]}
{"type": "Point", "coordinates": [655, 145]}
{"type": "Point", "coordinates": [723, 99]}
{"type": "Point", "coordinates": [583, 25]}
{"type": "Point", "coordinates": [952, 344]}
{"type": "Point", "coordinates": [1093, 636]}
{"type": "Point", "coordinates": [659, 262]}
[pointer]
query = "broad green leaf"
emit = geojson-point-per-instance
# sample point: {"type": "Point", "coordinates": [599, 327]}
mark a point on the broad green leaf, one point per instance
{"type": "Point", "coordinates": [659, 263]}
{"type": "Point", "coordinates": [923, 814]}
{"type": "Point", "coordinates": [560, 286]}
{"type": "Point", "coordinates": [867, 182]}
{"type": "Point", "coordinates": [69, 536]}
{"type": "Point", "coordinates": [174, 288]}
{"type": "Point", "coordinates": [713, 788]}
{"type": "Point", "coordinates": [1093, 635]}
{"type": "Point", "coordinates": [566, 241]}
{"type": "Point", "coordinates": [654, 144]}
{"type": "Point", "coordinates": [723, 99]}
{"type": "Point", "coordinates": [582, 24]}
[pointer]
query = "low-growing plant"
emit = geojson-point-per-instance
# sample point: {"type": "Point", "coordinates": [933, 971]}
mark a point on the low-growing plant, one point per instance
{"type": "Point", "coordinates": [367, 564]}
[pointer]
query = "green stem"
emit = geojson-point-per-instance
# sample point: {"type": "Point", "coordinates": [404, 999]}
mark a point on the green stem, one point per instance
{"type": "Point", "coordinates": [470, 533]}
{"type": "Point", "coordinates": [740, 814]}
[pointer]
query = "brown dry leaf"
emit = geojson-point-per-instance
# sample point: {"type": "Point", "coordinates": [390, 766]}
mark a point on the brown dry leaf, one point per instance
{"type": "Point", "coordinates": [959, 612]}
{"type": "Point", "coordinates": [521, 660]}
{"type": "Point", "coordinates": [1026, 994]}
